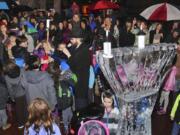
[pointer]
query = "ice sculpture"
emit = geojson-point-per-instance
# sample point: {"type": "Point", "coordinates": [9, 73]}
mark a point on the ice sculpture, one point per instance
{"type": "Point", "coordinates": [135, 75]}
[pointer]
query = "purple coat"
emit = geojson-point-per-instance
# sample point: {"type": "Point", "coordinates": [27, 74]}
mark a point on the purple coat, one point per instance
{"type": "Point", "coordinates": [42, 130]}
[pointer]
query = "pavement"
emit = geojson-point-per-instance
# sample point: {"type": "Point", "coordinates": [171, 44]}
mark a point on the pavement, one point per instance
{"type": "Point", "coordinates": [161, 124]}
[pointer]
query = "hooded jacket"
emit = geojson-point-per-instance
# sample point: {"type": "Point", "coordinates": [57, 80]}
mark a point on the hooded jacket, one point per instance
{"type": "Point", "coordinates": [16, 86]}
{"type": "Point", "coordinates": [40, 84]}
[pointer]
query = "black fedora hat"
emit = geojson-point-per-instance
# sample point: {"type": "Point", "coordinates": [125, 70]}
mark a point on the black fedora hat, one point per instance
{"type": "Point", "coordinates": [76, 34]}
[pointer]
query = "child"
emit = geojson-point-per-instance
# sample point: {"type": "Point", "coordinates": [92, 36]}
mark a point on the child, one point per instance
{"type": "Point", "coordinates": [15, 81]}
{"type": "Point", "coordinates": [168, 87]}
{"type": "Point", "coordinates": [40, 120]}
{"type": "Point", "coordinates": [3, 100]}
{"type": "Point", "coordinates": [63, 81]}
{"type": "Point", "coordinates": [44, 51]}
{"type": "Point", "coordinates": [111, 113]}
{"type": "Point", "coordinates": [175, 115]}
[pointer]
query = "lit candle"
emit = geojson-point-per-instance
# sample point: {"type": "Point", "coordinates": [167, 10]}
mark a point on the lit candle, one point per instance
{"type": "Point", "coordinates": [107, 33]}
{"type": "Point", "coordinates": [48, 23]}
{"type": "Point", "coordinates": [141, 27]}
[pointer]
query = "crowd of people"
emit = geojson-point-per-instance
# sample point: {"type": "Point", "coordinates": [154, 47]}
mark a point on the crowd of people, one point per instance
{"type": "Point", "coordinates": [40, 64]}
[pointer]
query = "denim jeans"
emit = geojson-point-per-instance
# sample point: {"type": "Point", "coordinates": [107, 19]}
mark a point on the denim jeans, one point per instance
{"type": "Point", "coordinates": [177, 85]}
{"type": "Point", "coordinates": [176, 129]}
{"type": "Point", "coordinates": [3, 118]}
{"type": "Point", "coordinates": [66, 116]}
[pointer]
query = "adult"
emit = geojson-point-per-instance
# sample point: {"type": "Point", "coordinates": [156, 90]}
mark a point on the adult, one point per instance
{"type": "Point", "coordinates": [3, 31]}
{"type": "Point", "coordinates": [173, 37]}
{"type": "Point", "coordinates": [79, 61]}
{"type": "Point", "coordinates": [156, 36]}
{"type": "Point", "coordinates": [92, 22]}
{"type": "Point", "coordinates": [86, 31]}
{"type": "Point", "coordinates": [75, 8]}
{"type": "Point", "coordinates": [58, 37]}
{"type": "Point", "coordinates": [126, 37]}
{"type": "Point", "coordinates": [76, 25]}
{"type": "Point", "coordinates": [41, 31]}
{"type": "Point", "coordinates": [107, 27]}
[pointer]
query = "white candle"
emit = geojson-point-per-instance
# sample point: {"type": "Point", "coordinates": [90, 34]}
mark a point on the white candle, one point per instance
{"type": "Point", "coordinates": [107, 33]}
{"type": "Point", "coordinates": [141, 27]}
{"type": "Point", "coordinates": [107, 50]}
{"type": "Point", "coordinates": [107, 47]}
{"type": "Point", "coordinates": [141, 41]}
{"type": "Point", "coordinates": [48, 23]}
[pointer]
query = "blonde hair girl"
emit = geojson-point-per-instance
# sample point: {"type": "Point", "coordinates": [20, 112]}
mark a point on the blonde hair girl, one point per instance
{"type": "Point", "coordinates": [40, 121]}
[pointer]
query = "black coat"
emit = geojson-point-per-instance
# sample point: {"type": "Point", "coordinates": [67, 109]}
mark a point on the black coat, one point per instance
{"type": "Point", "coordinates": [110, 37]}
{"type": "Point", "coordinates": [126, 39]}
{"type": "Point", "coordinates": [79, 63]}
{"type": "Point", "coordinates": [76, 28]}
{"type": "Point", "coordinates": [58, 37]}
{"type": "Point", "coordinates": [171, 39]}
{"type": "Point", "coordinates": [3, 54]}
{"type": "Point", "coordinates": [87, 35]}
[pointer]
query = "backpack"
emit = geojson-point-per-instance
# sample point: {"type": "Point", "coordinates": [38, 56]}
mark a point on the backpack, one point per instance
{"type": "Point", "coordinates": [64, 94]}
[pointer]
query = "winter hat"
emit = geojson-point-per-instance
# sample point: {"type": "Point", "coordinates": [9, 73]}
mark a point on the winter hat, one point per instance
{"type": "Point", "coordinates": [77, 34]}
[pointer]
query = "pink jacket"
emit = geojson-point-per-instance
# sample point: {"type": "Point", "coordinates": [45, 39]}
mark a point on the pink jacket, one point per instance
{"type": "Point", "coordinates": [170, 80]}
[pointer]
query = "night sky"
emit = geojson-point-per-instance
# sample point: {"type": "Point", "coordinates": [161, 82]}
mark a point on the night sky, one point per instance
{"type": "Point", "coordinates": [133, 6]}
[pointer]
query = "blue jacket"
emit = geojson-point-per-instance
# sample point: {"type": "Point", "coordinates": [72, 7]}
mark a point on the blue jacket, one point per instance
{"type": "Point", "coordinates": [42, 131]}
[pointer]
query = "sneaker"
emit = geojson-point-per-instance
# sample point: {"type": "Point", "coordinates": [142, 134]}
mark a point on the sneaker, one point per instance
{"type": "Point", "coordinates": [66, 129]}
{"type": "Point", "coordinates": [20, 127]}
{"type": "Point", "coordinates": [161, 112]}
{"type": "Point", "coordinates": [6, 126]}
{"type": "Point", "coordinates": [161, 108]}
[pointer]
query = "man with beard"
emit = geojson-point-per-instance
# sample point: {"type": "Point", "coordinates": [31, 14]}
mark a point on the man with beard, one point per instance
{"type": "Point", "coordinates": [79, 61]}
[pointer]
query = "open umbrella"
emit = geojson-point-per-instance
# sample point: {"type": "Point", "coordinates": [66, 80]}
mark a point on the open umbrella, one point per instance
{"type": "Point", "coordinates": [103, 4]}
{"type": "Point", "coordinates": [22, 8]}
{"type": "Point", "coordinates": [7, 4]}
{"type": "Point", "coordinates": [3, 5]}
{"type": "Point", "coordinates": [161, 12]}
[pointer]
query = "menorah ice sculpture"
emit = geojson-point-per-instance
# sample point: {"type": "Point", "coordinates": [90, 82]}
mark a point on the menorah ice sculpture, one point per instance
{"type": "Point", "coordinates": [135, 75]}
